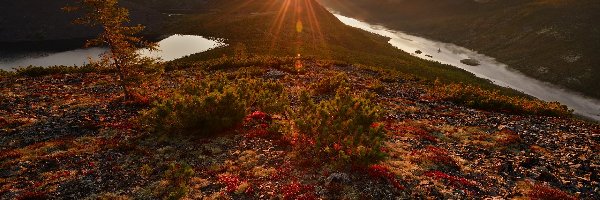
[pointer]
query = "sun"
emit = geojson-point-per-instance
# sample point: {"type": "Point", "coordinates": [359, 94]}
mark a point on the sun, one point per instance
{"type": "Point", "coordinates": [294, 21]}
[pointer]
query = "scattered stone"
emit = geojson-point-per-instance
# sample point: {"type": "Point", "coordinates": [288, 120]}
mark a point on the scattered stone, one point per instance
{"type": "Point", "coordinates": [337, 178]}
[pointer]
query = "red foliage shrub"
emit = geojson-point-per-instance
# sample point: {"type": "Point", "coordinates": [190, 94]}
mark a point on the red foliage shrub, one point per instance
{"type": "Point", "coordinates": [258, 115]}
{"type": "Point", "coordinates": [232, 182]}
{"type": "Point", "coordinates": [544, 192]}
{"type": "Point", "coordinates": [9, 154]}
{"type": "Point", "coordinates": [298, 191]}
{"type": "Point", "coordinates": [453, 180]}
{"type": "Point", "coordinates": [139, 99]}
{"type": "Point", "coordinates": [31, 195]}
{"type": "Point", "coordinates": [507, 137]}
{"type": "Point", "coordinates": [416, 131]}
{"type": "Point", "coordinates": [437, 156]}
{"type": "Point", "coordinates": [375, 125]}
{"type": "Point", "coordinates": [120, 125]}
{"type": "Point", "coordinates": [59, 174]}
{"type": "Point", "coordinates": [3, 122]}
{"type": "Point", "coordinates": [382, 172]}
{"type": "Point", "coordinates": [281, 172]}
{"type": "Point", "coordinates": [258, 122]}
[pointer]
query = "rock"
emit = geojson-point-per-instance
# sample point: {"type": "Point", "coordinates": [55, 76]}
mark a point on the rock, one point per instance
{"type": "Point", "coordinates": [274, 74]}
{"type": "Point", "coordinates": [337, 178]}
{"type": "Point", "coordinates": [546, 176]}
{"type": "Point", "coordinates": [530, 162]}
{"type": "Point", "coordinates": [507, 168]}
{"type": "Point", "coordinates": [470, 61]}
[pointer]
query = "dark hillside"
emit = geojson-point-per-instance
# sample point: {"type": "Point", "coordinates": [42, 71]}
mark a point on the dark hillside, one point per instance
{"type": "Point", "coordinates": [555, 41]}
{"type": "Point", "coordinates": [306, 28]}
{"type": "Point", "coordinates": [30, 20]}
{"type": "Point", "coordinates": [250, 27]}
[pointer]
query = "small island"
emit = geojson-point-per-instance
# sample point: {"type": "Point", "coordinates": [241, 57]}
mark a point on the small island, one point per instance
{"type": "Point", "coordinates": [470, 61]}
{"type": "Point", "coordinates": [418, 52]}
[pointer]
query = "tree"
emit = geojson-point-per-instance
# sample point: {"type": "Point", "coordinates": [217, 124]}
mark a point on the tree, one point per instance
{"type": "Point", "coordinates": [120, 38]}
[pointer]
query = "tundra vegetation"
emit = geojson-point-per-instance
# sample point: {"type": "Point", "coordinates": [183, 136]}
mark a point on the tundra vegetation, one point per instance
{"type": "Point", "coordinates": [241, 123]}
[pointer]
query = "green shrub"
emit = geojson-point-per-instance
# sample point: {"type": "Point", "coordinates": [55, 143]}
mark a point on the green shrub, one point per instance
{"type": "Point", "coordinates": [33, 71]}
{"type": "Point", "coordinates": [226, 63]}
{"type": "Point", "coordinates": [177, 177]}
{"type": "Point", "coordinates": [4, 73]}
{"type": "Point", "coordinates": [202, 115]}
{"type": "Point", "coordinates": [376, 86]}
{"type": "Point", "coordinates": [492, 100]}
{"type": "Point", "coordinates": [258, 94]}
{"type": "Point", "coordinates": [342, 129]}
{"type": "Point", "coordinates": [267, 96]}
{"type": "Point", "coordinates": [214, 105]}
{"type": "Point", "coordinates": [330, 84]}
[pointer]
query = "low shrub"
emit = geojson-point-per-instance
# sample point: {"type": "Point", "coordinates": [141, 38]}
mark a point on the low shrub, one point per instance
{"type": "Point", "coordinates": [258, 94]}
{"type": "Point", "coordinates": [376, 86]}
{"type": "Point", "coordinates": [452, 180]}
{"type": "Point", "coordinates": [330, 84]}
{"type": "Point", "coordinates": [267, 96]}
{"type": "Point", "coordinates": [343, 129]}
{"type": "Point", "coordinates": [492, 100]}
{"type": "Point", "coordinates": [382, 172]}
{"type": "Point", "coordinates": [296, 190]}
{"type": "Point", "coordinates": [4, 73]}
{"type": "Point", "coordinates": [231, 182]}
{"type": "Point", "coordinates": [507, 139]}
{"type": "Point", "coordinates": [214, 105]}
{"type": "Point", "coordinates": [540, 191]}
{"type": "Point", "coordinates": [176, 179]}
{"type": "Point", "coordinates": [225, 63]}
{"type": "Point", "coordinates": [34, 71]}
{"type": "Point", "coordinates": [434, 158]}
{"type": "Point", "coordinates": [200, 115]}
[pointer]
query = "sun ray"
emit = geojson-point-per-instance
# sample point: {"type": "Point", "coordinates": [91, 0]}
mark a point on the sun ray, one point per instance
{"type": "Point", "coordinates": [314, 21]}
{"type": "Point", "coordinates": [278, 23]}
{"type": "Point", "coordinates": [288, 15]}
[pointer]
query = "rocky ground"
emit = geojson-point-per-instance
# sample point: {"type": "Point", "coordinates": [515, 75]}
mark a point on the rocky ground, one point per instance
{"type": "Point", "coordinates": [72, 137]}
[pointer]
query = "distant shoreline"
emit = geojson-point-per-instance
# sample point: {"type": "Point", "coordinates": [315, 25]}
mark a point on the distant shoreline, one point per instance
{"type": "Point", "coordinates": [10, 49]}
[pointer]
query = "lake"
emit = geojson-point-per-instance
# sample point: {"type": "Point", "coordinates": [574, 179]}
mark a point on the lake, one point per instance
{"type": "Point", "coordinates": [170, 48]}
{"type": "Point", "coordinates": [488, 67]}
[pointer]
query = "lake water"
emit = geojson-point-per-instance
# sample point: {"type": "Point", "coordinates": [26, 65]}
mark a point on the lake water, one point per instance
{"type": "Point", "coordinates": [171, 48]}
{"type": "Point", "coordinates": [489, 68]}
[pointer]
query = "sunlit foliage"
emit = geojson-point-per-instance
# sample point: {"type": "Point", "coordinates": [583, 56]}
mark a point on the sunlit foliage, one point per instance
{"type": "Point", "coordinates": [343, 130]}
{"type": "Point", "coordinates": [120, 38]}
{"type": "Point", "coordinates": [493, 100]}
{"type": "Point", "coordinates": [214, 105]}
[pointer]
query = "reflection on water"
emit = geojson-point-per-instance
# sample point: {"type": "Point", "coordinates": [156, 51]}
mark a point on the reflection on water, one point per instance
{"type": "Point", "coordinates": [178, 46]}
{"type": "Point", "coordinates": [171, 48]}
{"type": "Point", "coordinates": [489, 68]}
{"type": "Point", "coordinates": [69, 58]}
